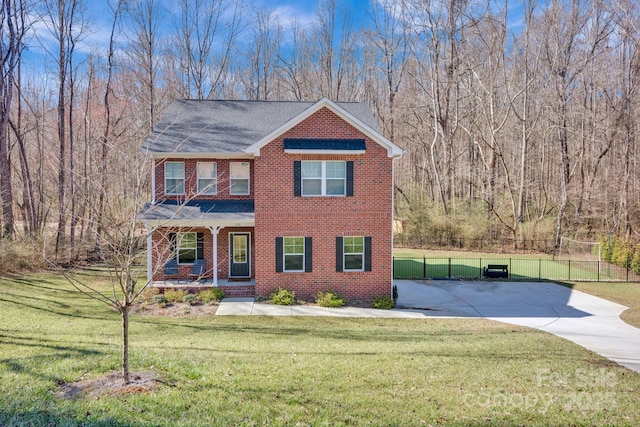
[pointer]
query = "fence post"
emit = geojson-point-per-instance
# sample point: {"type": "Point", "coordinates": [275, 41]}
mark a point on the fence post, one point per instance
{"type": "Point", "coordinates": [539, 268]}
{"type": "Point", "coordinates": [449, 268]}
{"type": "Point", "coordinates": [510, 270]}
{"type": "Point", "coordinates": [598, 271]}
{"type": "Point", "coordinates": [424, 266]}
{"type": "Point", "coordinates": [569, 269]}
{"type": "Point", "coordinates": [480, 268]}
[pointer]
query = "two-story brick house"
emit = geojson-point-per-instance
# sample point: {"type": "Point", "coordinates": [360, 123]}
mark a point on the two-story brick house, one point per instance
{"type": "Point", "coordinates": [259, 195]}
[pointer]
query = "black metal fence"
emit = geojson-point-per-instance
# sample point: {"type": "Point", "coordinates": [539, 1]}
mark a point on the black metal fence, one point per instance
{"type": "Point", "coordinates": [518, 268]}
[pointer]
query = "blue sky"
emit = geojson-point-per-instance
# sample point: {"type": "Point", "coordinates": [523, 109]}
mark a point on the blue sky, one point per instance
{"type": "Point", "coordinates": [99, 16]}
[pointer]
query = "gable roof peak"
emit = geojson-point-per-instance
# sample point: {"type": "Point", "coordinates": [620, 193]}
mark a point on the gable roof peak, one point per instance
{"type": "Point", "coordinates": [324, 102]}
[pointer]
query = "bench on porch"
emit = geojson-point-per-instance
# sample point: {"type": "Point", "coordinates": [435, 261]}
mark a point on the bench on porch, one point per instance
{"type": "Point", "coordinates": [198, 269]}
{"type": "Point", "coordinates": [171, 269]}
{"type": "Point", "coordinates": [495, 271]}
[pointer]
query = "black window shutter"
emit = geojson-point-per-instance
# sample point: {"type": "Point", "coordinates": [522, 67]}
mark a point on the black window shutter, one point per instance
{"type": "Point", "coordinates": [339, 252]}
{"type": "Point", "coordinates": [279, 254]}
{"type": "Point", "coordinates": [173, 250]}
{"type": "Point", "coordinates": [308, 251]}
{"type": "Point", "coordinates": [367, 254]}
{"type": "Point", "coordinates": [297, 178]}
{"type": "Point", "coordinates": [200, 246]}
{"type": "Point", "coordinates": [350, 178]}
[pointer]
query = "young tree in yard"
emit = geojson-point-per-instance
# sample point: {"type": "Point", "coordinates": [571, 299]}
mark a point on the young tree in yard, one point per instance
{"type": "Point", "coordinates": [120, 245]}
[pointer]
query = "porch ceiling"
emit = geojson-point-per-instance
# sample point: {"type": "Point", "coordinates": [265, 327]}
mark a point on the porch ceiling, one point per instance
{"type": "Point", "coordinates": [200, 213]}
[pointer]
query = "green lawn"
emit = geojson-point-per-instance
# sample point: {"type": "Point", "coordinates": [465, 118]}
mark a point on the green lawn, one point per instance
{"type": "Point", "coordinates": [296, 371]}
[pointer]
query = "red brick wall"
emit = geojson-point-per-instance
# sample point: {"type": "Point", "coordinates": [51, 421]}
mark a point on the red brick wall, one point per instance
{"type": "Point", "coordinates": [367, 213]}
{"type": "Point", "coordinates": [191, 179]}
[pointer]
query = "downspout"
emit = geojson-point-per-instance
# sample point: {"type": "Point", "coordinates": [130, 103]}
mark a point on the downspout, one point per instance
{"type": "Point", "coordinates": [393, 209]}
{"type": "Point", "coordinates": [153, 180]}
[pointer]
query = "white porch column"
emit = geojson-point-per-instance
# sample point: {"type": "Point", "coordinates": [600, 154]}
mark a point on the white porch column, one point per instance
{"type": "Point", "coordinates": [214, 234]}
{"type": "Point", "coordinates": [149, 252]}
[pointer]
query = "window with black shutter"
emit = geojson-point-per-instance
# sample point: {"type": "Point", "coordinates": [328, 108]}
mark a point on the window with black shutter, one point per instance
{"type": "Point", "coordinates": [353, 253]}
{"type": "Point", "coordinates": [294, 254]}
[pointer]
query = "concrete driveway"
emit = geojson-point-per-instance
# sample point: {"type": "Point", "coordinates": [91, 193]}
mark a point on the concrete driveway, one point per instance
{"type": "Point", "coordinates": [591, 322]}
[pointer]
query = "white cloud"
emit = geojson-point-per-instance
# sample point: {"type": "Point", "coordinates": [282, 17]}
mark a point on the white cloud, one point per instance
{"type": "Point", "coordinates": [288, 16]}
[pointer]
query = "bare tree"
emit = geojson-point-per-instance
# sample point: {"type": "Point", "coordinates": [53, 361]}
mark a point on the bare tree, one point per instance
{"type": "Point", "coordinates": [205, 38]}
{"type": "Point", "coordinates": [297, 66]}
{"type": "Point", "coordinates": [143, 46]}
{"type": "Point", "coordinates": [259, 78]}
{"type": "Point", "coordinates": [335, 53]}
{"type": "Point", "coordinates": [440, 31]}
{"type": "Point", "coordinates": [12, 33]}
{"type": "Point", "coordinates": [522, 106]}
{"type": "Point", "coordinates": [65, 22]}
{"type": "Point", "coordinates": [120, 246]}
{"type": "Point", "coordinates": [106, 134]}
{"type": "Point", "coordinates": [628, 18]}
{"type": "Point", "coordinates": [572, 34]}
{"type": "Point", "coordinates": [390, 39]}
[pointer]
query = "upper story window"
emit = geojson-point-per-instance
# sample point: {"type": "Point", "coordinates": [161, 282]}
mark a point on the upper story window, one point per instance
{"type": "Point", "coordinates": [174, 178]}
{"type": "Point", "coordinates": [207, 177]}
{"type": "Point", "coordinates": [324, 178]}
{"type": "Point", "coordinates": [239, 178]}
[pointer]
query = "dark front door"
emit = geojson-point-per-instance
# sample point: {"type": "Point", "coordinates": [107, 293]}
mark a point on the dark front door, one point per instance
{"type": "Point", "coordinates": [240, 255]}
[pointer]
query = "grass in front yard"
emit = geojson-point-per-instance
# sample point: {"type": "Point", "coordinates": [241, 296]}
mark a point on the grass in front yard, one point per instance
{"type": "Point", "coordinates": [296, 371]}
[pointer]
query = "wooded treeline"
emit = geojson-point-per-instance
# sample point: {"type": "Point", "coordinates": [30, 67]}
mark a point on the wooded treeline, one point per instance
{"type": "Point", "coordinates": [518, 119]}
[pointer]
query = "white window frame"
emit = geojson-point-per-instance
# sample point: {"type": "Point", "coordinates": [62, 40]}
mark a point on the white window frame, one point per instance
{"type": "Point", "coordinates": [285, 254]}
{"type": "Point", "coordinates": [209, 189]}
{"type": "Point", "coordinates": [345, 253]}
{"type": "Point", "coordinates": [166, 187]}
{"type": "Point", "coordinates": [323, 178]}
{"type": "Point", "coordinates": [232, 178]}
{"type": "Point", "coordinates": [179, 246]}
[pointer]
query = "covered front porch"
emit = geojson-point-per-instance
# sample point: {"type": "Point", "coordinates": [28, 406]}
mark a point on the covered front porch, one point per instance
{"type": "Point", "coordinates": [199, 244]}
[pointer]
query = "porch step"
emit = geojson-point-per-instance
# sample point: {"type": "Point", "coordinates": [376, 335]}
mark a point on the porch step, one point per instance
{"type": "Point", "coordinates": [238, 291]}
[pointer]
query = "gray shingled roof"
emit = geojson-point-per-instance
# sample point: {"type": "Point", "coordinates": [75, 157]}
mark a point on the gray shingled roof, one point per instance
{"type": "Point", "coordinates": [198, 209]}
{"type": "Point", "coordinates": [209, 126]}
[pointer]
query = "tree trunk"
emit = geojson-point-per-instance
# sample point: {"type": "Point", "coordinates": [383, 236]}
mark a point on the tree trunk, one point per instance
{"type": "Point", "coordinates": [124, 313]}
{"type": "Point", "coordinates": [62, 80]}
{"type": "Point", "coordinates": [11, 35]}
